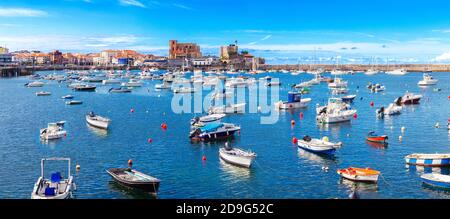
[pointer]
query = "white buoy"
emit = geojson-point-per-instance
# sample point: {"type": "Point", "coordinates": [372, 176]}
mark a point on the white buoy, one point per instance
{"type": "Point", "coordinates": [400, 138]}
{"type": "Point", "coordinates": [259, 108]}
{"type": "Point", "coordinates": [437, 125]}
{"type": "Point", "coordinates": [403, 129]}
{"type": "Point", "coordinates": [348, 135]}
{"type": "Point", "coordinates": [77, 167]}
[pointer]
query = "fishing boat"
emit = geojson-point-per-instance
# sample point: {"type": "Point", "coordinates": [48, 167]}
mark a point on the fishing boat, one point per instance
{"type": "Point", "coordinates": [67, 97]}
{"type": "Point", "coordinates": [84, 87]}
{"type": "Point", "coordinates": [435, 160]}
{"type": "Point", "coordinates": [400, 71]}
{"type": "Point", "coordinates": [294, 101]}
{"type": "Point", "coordinates": [201, 121]}
{"type": "Point", "coordinates": [427, 80]}
{"type": "Point", "coordinates": [436, 179]}
{"type": "Point", "coordinates": [74, 102]}
{"type": "Point", "coordinates": [132, 83]}
{"type": "Point", "coordinates": [120, 90]}
{"type": "Point", "coordinates": [392, 109]}
{"type": "Point", "coordinates": [111, 81]}
{"type": "Point", "coordinates": [236, 156]}
{"type": "Point", "coordinates": [53, 131]}
{"type": "Point", "coordinates": [229, 108]}
{"type": "Point", "coordinates": [377, 88]}
{"type": "Point", "coordinates": [97, 121]}
{"type": "Point", "coordinates": [184, 90]}
{"type": "Point", "coordinates": [214, 131]}
{"type": "Point", "coordinates": [337, 83]}
{"type": "Point", "coordinates": [43, 93]}
{"type": "Point", "coordinates": [348, 98]}
{"type": "Point", "coordinates": [35, 84]}
{"type": "Point", "coordinates": [410, 98]}
{"type": "Point", "coordinates": [359, 174]}
{"type": "Point", "coordinates": [372, 137]}
{"type": "Point", "coordinates": [56, 187]}
{"type": "Point", "coordinates": [336, 111]}
{"type": "Point", "coordinates": [135, 179]}
{"type": "Point", "coordinates": [322, 146]}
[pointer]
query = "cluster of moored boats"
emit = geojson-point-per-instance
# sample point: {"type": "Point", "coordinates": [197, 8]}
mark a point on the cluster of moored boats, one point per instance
{"type": "Point", "coordinates": [210, 127]}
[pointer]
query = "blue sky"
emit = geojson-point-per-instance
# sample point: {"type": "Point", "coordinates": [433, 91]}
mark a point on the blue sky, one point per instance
{"type": "Point", "coordinates": [281, 30]}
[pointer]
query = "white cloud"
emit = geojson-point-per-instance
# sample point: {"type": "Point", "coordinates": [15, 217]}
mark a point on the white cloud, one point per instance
{"type": "Point", "coordinates": [21, 12]}
{"type": "Point", "coordinates": [442, 57]}
{"type": "Point", "coordinates": [266, 37]}
{"type": "Point", "coordinates": [132, 3]}
{"type": "Point", "coordinates": [182, 6]}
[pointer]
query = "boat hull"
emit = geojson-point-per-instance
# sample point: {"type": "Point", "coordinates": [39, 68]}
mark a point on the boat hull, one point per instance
{"type": "Point", "coordinates": [359, 178]}
{"type": "Point", "coordinates": [294, 105]}
{"type": "Point", "coordinates": [149, 186]}
{"type": "Point", "coordinates": [377, 139]}
{"type": "Point", "coordinates": [316, 149]}
{"type": "Point", "coordinates": [436, 180]}
{"type": "Point", "coordinates": [236, 160]}
{"type": "Point", "coordinates": [97, 124]}
{"type": "Point", "coordinates": [438, 162]}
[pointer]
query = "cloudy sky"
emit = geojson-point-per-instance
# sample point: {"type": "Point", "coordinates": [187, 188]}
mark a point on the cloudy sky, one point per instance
{"type": "Point", "coordinates": [283, 31]}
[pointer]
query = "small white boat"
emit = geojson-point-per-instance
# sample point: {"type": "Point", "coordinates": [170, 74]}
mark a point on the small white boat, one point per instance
{"type": "Point", "coordinates": [66, 97]}
{"type": "Point", "coordinates": [437, 180]}
{"type": "Point", "coordinates": [53, 131]}
{"type": "Point", "coordinates": [237, 156]}
{"type": "Point", "coordinates": [35, 84]}
{"type": "Point", "coordinates": [377, 88]}
{"type": "Point", "coordinates": [340, 90]}
{"type": "Point", "coordinates": [111, 81]}
{"type": "Point", "coordinates": [322, 146]}
{"type": "Point", "coordinates": [397, 72]}
{"type": "Point", "coordinates": [221, 95]}
{"type": "Point", "coordinates": [56, 187]}
{"type": "Point", "coordinates": [74, 102]}
{"type": "Point", "coordinates": [371, 72]}
{"type": "Point", "coordinates": [132, 83]}
{"type": "Point", "coordinates": [410, 98]}
{"type": "Point", "coordinates": [294, 101]}
{"type": "Point", "coordinates": [273, 83]}
{"type": "Point", "coordinates": [427, 80]}
{"type": "Point", "coordinates": [120, 90]}
{"type": "Point", "coordinates": [162, 86]}
{"type": "Point", "coordinates": [338, 72]}
{"type": "Point", "coordinates": [337, 83]}
{"type": "Point", "coordinates": [229, 108]}
{"type": "Point", "coordinates": [184, 90]}
{"type": "Point", "coordinates": [97, 121]}
{"type": "Point", "coordinates": [336, 111]}
{"type": "Point", "coordinates": [200, 121]}
{"type": "Point", "coordinates": [434, 160]}
{"type": "Point", "coordinates": [235, 82]}
{"type": "Point", "coordinates": [392, 109]}
{"type": "Point", "coordinates": [43, 93]}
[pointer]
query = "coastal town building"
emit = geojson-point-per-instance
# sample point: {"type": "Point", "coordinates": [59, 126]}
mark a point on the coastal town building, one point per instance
{"type": "Point", "coordinates": [4, 50]}
{"type": "Point", "coordinates": [183, 50]}
{"type": "Point", "coordinates": [56, 57]}
{"type": "Point", "coordinates": [228, 53]}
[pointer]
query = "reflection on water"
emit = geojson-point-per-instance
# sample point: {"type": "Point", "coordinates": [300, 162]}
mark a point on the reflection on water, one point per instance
{"type": "Point", "coordinates": [359, 186]}
{"type": "Point", "coordinates": [334, 128]}
{"type": "Point", "coordinates": [130, 193]}
{"type": "Point", "coordinates": [423, 169]}
{"type": "Point", "coordinates": [443, 192]}
{"type": "Point", "coordinates": [322, 159]}
{"type": "Point", "coordinates": [97, 131]}
{"type": "Point", "coordinates": [377, 145]}
{"type": "Point", "coordinates": [235, 171]}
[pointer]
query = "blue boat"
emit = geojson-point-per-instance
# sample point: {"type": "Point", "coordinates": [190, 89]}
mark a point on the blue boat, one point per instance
{"type": "Point", "coordinates": [432, 160]}
{"type": "Point", "coordinates": [214, 131]}
{"type": "Point", "coordinates": [437, 180]}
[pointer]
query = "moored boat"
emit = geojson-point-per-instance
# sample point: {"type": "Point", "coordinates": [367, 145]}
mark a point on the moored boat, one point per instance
{"type": "Point", "coordinates": [322, 146]}
{"type": "Point", "coordinates": [67, 97]}
{"type": "Point", "coordinates": [56, 187]}
{"type": "Point", "coordinates": [97, 121]}
{"type": "Point", "coordinates": [336, 111]}
{"type": "Point", "coordinates": [74, 102]}
{"type": "Point", "coordinates": [84, 87]}
{"type": "Point", "coordinates": [410, 98]}
{"type": "Point", "coordinates": [392, 109]}
{"type": "Point", "coordinates": [427, 80]}
{"type": "Point", "coordinates": [207, 119]}
{"type": "Point", "coordinates": [435, 160]}
{"type": "Point", "coordinates": [35, 84]}
{"type": "Point", "coordinates": [214, 131]}
{"type": "Point", "coordinates": [348, 98]}
{"type": "Point", "coordinates": [120, 90]}
{"type": "Point", "coordinates": [372, 137]}
{"type": "Point", "coordinates": [294, 101]}
{"type": "Point", "coordinates": [53, 131]}
{"type": "Point", "coordinates": [43, 93]}
{"type": "Point", "coordinates": [135, 179]}
{"type": "Point", "coordinates": [228, 109]}
{"type": "Point", "coordinates": [236, 156]}
{"type": "Point", "coordinates": [436, 179]}
{"type": "Point", "coordinates": [359, 174]}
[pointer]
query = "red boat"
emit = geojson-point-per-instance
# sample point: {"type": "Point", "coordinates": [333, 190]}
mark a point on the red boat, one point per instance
{"type": "Point", "coordinates": [372, 137]}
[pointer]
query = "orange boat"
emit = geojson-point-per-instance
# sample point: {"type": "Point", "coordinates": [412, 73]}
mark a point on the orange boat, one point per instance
{"type": "Point", "coordinates": [359, 174]}
{"type": "Point", "coordinates": [376, 138]}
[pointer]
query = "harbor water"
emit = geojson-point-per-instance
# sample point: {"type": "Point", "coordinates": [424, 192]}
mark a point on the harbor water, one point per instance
{"type": "Point", "coordinates": [281, 170]}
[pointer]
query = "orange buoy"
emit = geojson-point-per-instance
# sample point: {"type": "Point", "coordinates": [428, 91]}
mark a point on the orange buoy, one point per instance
{"type": "Point", "coordinates": [294, 140]}
{"type": "Point", "coordinates": [292, 122]}
{"type": "Point", "coordinates": [301, 115]}
{"type": "Point", "coordinates": [150, 140]}
{"type": "Point", "coordinates": [164, 126]}
{"type": "Point", "coordinates": [371, 103]}
{"type": "Point", "coordinates": [204, 158]}
{"type": "Point", "coordinates": [355, 116]}
{"type": "Point", "coordinates": [130, 162]}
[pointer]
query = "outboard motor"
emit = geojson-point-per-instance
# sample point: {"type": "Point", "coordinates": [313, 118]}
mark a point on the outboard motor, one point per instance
{"type": "Point", "coordinates": [398, 101]}
{"type": "Point", "coordinates": [307, 138]}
